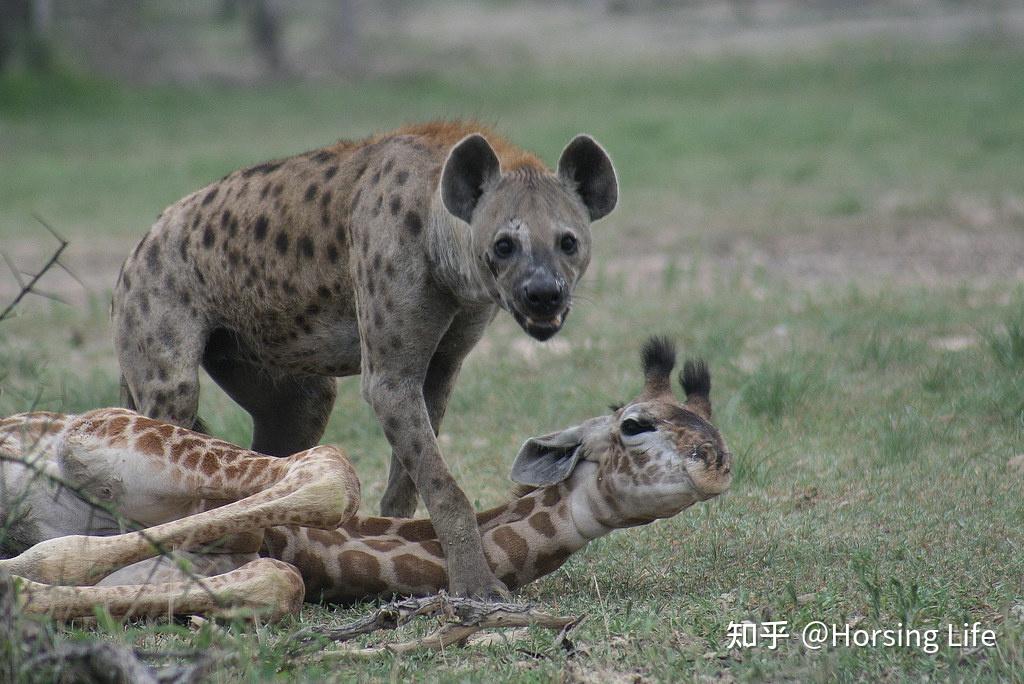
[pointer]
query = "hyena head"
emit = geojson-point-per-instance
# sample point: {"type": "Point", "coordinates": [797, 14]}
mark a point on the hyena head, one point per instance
{"type": "Point", "coordinates": [530, 228]}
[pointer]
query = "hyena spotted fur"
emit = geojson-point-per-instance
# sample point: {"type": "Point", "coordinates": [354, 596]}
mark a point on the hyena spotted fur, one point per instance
{"type": "Point", "coordinates": [385, 257]}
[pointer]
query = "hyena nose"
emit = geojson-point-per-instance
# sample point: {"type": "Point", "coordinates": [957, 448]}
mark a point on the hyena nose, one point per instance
{"type": "Point", "coordinates": [544, 294]}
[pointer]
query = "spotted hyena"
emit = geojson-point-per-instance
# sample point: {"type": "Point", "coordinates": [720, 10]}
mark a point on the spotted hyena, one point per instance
{"type": "Point", "coordinates": [385, 257]}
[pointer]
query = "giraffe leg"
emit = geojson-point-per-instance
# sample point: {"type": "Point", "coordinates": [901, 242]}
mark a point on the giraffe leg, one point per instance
{"type": "Point", "coordinates": [271, 587]}
{"type": "Point", "coordinates": [179, 566]}
{"type": "Point", "coordinates": [138, 462]}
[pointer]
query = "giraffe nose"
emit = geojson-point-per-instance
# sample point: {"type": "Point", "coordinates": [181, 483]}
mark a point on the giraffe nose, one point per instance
{"type": "Point", "coordinates": [543, 294]}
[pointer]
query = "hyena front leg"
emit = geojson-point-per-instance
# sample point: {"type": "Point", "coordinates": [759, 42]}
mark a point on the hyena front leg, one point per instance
{"type": "Point", "coordinates": [399, 499]}
{"type": "Point", "coordinates": [392, 382]}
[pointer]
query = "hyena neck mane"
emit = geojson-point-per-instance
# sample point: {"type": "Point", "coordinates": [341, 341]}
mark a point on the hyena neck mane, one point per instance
{"type": "Point", "coordinates": [447, 134]}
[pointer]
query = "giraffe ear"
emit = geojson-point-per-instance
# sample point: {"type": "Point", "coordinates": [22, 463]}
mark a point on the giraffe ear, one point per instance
{"type": "Point", "coordinates": [547, 460]}
{"type": "Point", "coordinates": [696, 381]}
{"type": "Point", "coordinates": [659, 357]}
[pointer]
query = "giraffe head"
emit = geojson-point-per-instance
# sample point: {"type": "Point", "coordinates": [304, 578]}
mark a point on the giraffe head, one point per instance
{"type": "Point", "coordinates": [650, 459]}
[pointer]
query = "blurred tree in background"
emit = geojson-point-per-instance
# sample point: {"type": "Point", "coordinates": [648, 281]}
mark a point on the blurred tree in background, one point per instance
{"type": "Point", "coordinates": [245, 41]}
{"type": "Point", "coordinates": [24, 34]}
{"type": "Point", "coordinates": [161, 40]}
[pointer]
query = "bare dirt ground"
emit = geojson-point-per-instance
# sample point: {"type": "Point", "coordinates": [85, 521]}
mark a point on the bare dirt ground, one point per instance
{"type": "Point", "coordinates": [560, 32]}
{"type": "Point", "coordinates": [179, 49]}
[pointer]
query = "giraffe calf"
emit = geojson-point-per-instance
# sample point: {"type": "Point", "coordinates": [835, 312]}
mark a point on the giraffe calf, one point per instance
{"type": "Point", "coordinates": [649, 459]}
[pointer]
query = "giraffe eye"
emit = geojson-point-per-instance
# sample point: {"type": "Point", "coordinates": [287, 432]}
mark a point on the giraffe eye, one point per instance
{"type": "Point", "coordinates": [705, 452]}
{"type": "Point", "coordinates": [634, 426]}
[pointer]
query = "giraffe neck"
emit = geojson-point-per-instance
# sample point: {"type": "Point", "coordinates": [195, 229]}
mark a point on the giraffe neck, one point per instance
{"type": "Point", "coordinates": [525, 539]}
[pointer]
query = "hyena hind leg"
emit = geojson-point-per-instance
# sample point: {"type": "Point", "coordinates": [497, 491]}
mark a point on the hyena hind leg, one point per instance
{"type": "Point", "coordinates": [161, 379]}
{"type": "Point", "coordinates": [289, 412]}
{"type": "Point", "coordinates": [127, 400]}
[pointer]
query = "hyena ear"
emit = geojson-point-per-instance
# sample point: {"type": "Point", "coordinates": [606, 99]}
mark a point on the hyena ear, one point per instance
{"type": "Point", "coordinates": [586, 164]}
{"type": "Point", "coordinates": [469, 167]}
{"type": "Point", "coordinates": [547, 460]}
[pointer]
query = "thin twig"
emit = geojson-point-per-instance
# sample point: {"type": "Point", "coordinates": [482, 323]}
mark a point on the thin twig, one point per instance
{"type": "Point", "coordinates": [14, 270]}
{"type": "Point", "coordinates": [29, 287]}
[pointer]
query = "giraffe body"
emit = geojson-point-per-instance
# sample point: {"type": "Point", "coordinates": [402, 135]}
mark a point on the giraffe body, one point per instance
{"type": "Point", "coordinates": [648, 460]}
{"type": "Point", "coordinates": [385, 257]}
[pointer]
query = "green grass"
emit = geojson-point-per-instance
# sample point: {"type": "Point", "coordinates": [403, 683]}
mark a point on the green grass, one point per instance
{"type": "Point", "coordinates": [1007, 342]}
{"type": "Point", "coordinates": [793, 138]}
{"type": "Point", "coordinates": [777, 388]}
{"type": "Point", "coordinates": [871, 485]}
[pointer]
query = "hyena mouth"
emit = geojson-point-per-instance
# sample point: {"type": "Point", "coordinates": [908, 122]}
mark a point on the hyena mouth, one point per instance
{"type": "Point", "coordinates": [540, 329]}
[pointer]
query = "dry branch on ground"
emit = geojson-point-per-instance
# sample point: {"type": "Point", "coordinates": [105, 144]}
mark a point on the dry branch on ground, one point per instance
{"type": "Point", "coordinates": [460, 618]}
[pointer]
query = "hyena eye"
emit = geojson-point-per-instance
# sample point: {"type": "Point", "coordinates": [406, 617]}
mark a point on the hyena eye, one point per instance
{"type": "Point", "coordinates": [504, 247]}
{"type": "Point", "coordinates": [569, 244]}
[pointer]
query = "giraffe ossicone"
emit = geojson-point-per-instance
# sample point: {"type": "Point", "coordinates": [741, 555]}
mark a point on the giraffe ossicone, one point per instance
{"type": "Point", "coordinates": [267, 533]}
